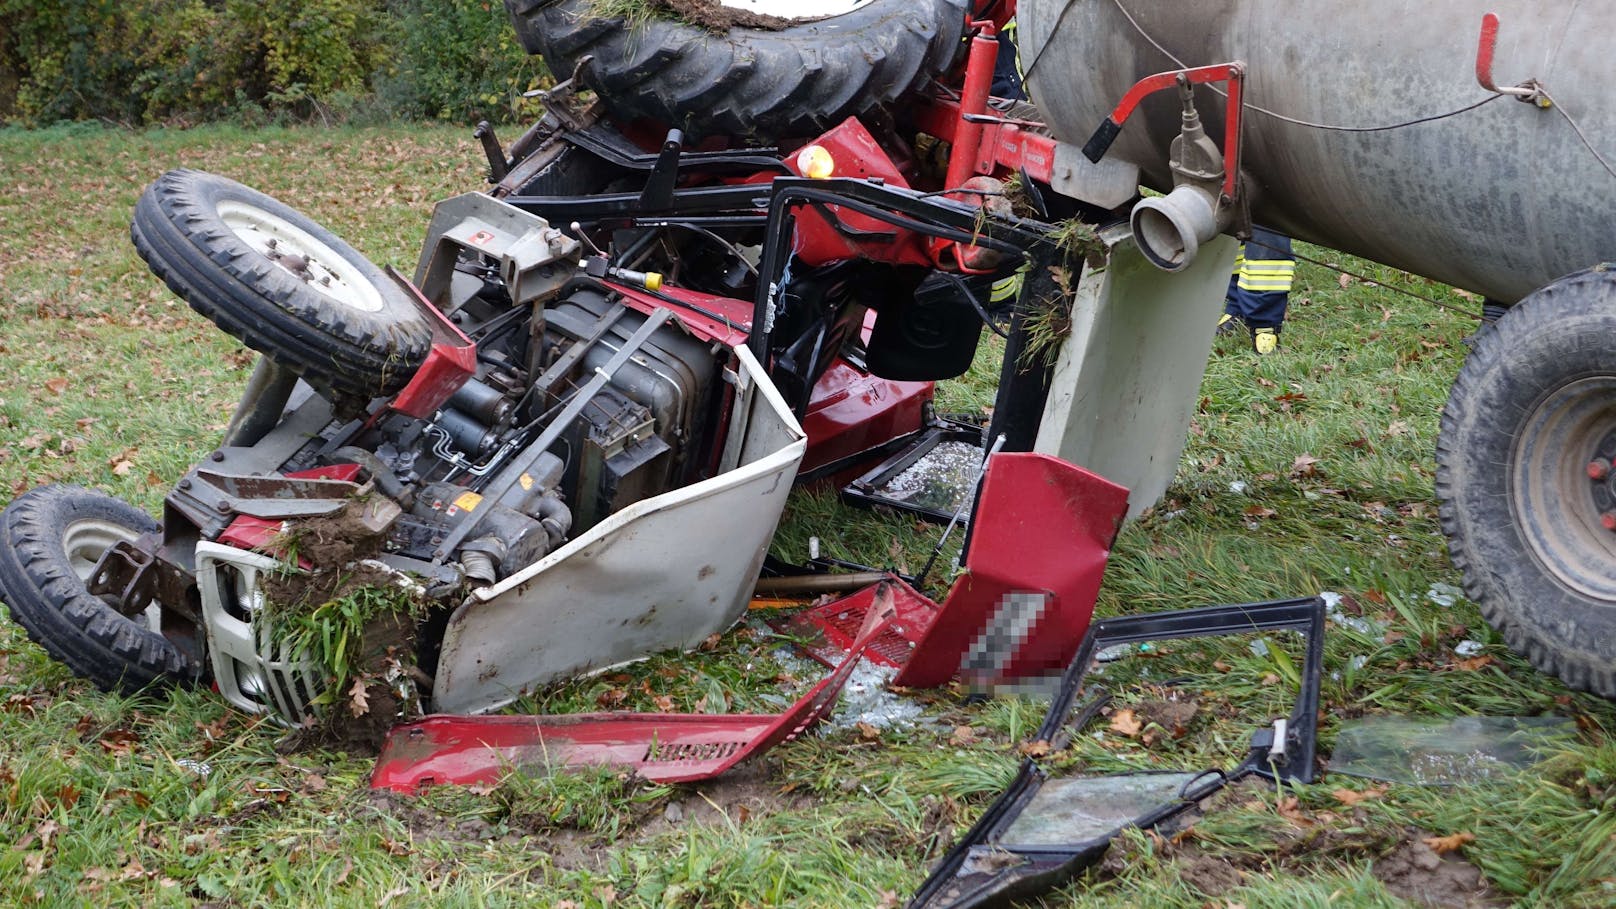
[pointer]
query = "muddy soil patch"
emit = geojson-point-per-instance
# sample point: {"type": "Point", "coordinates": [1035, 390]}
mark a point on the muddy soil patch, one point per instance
{"type": "Point", "coordinates": [1415, 872]}
{"type": "Point", "coordinates": [709, 14]}
{"type": "Point", "coordinates": [744, 794]}
{"type": "Point", "coordinates": [1298, 840]}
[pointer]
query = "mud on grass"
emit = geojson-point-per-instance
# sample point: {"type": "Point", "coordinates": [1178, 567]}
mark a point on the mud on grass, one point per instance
{"type": "Point", "coordinates": [1247, 835]}
{"type": "Point", "coordinates": [708, 14]}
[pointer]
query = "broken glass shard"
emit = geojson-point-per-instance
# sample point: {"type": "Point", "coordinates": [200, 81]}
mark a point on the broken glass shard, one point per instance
{"type": "Point", "coordinates": [1438, 752]}
{"type": "Point", "coordinates": [1078, 809]}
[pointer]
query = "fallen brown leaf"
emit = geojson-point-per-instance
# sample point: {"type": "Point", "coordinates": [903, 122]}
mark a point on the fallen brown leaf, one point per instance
{"type": "Point", "coordinates": [963, 735]}
{"type": "Point", "coordinates": [1290, 808]}
{"type": "Point", "coordinates": [1303, 466]}
{"type": "Point", "coordinates": [1034, 749]}
{"type": "Point", "coordinates": [1442, 845]}
{"type": "Point", "coordinates": [1350, 797]}
{"type": "Point", "coordinates": [358, 699]}
{"type": "Point", "coordinates": [1125, 722]}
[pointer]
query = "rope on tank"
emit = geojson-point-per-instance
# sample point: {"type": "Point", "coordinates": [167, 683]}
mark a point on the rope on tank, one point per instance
{"type": "Point", "coordinates": [1368, 280]}
{"type": "Point", "coordinates": [1061, 19]}
{"type": "Point", "coordinates": [1538, 90]}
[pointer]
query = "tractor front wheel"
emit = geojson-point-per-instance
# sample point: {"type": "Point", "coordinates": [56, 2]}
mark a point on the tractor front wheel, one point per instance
{"type": "Point", "coordinates": [51, 540]}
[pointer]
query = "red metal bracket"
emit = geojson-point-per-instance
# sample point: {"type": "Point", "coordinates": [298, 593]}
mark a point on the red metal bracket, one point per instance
{"type": "Point", "coordinates": [1233, 73]}
{"type": "Point", "coordinates": [451, 361]}
{"type": "Point", "coordinates": [1528, 91]}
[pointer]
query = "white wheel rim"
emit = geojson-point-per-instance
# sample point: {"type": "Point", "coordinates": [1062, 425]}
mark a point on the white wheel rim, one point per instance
{"type": "Point", "coordinates": [795, 10]}
{"type": "Point", "coordinates": [283, 242]}
{"type": "Point", "coordinates": [1550, 486]}
{"type": "Point", "coordinates": [84, 541]}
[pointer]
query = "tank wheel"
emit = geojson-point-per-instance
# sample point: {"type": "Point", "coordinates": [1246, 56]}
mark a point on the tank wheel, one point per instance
{"type": "Point", "coordinates": [834, 59]}
{"type": "Point", "coordinates": [1526, 483]}
{"type": "Point", "coordinates": [280, 283]}
{"type": "Point", "coordinates": [51, 539]}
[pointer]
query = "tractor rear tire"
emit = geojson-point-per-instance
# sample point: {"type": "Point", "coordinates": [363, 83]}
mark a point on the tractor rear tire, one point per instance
{"type": "Point", "coordinates": [1525, 502]}
{"type": "Point", "coordinates": [50, 540]}
{"type": "Point", "coordinates": [797, 81]}
{"type": "Point", "coordinates": [281, 284]}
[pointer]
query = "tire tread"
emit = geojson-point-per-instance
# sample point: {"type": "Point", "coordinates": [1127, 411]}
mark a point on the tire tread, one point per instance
{"type": "Point", "coordinates": [797, 81]}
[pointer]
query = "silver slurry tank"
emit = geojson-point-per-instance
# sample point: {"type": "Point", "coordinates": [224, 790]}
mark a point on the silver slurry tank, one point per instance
{"type": "Point", "coordinates": [1500, 200]}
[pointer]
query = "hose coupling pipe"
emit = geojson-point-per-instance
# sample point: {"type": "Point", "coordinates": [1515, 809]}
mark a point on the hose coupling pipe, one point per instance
{"type": "Point", "coordinates": [1170, 229]}
{"type": "Point", "coordinates": [480, 560]}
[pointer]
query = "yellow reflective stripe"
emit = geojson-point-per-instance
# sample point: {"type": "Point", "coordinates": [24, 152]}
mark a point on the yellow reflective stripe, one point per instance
{"type": "Point", "coordinates": [1005, 288]}
{"type": "Point", "coordinates": [1010, 29]}
{"type": "Point", "coordinates": [1267, 275]}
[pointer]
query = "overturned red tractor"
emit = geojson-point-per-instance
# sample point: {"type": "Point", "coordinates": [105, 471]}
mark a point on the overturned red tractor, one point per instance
{"type": "Point", "coordinates": [743, 262]}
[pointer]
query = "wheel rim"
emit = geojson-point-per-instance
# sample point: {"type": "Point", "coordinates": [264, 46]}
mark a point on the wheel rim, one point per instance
{"type": "Point", "coordinates": [795, 10]}
{"type": "Point", "coordinates": [302, 255]}
{"type": "Point", "coordinates": [83, 543]}
{"type": "Point", "coordinates": [1558, 501]}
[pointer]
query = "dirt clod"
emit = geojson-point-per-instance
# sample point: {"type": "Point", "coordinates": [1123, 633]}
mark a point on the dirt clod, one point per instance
{"type": "Point", "coordinates": [1172, 716]}
{"type": "Point", "coordinates": [1416, 873]}
{"type": "Point", "coordinates": [1209, 874]}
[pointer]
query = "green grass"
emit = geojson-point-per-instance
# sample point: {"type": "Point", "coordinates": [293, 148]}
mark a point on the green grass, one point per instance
{"type": "Point", "coordinates": [177, 800]}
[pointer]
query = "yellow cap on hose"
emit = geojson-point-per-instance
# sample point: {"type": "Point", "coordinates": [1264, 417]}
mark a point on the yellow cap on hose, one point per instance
{"type": "Point", "coordinates": [653, 280]}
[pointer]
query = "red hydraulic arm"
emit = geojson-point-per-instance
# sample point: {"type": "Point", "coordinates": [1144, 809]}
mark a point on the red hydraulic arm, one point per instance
{"type": "Point", "coordinates": [1232, 73]}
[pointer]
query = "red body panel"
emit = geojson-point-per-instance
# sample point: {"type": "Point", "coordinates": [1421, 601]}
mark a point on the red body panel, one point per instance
{"type": "Point", "coordinates": [1042, 534]}
{"type": "Point", "coordinates": [819, 242]}
{"type": "Point", "coordinates": [663, 748]}
{"type": "Point", "coordinates": [1043, 528]}
{"type": "Point", "coordinates": [851, 411]}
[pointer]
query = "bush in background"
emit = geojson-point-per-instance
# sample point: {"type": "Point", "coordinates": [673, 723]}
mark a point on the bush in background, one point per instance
{"type": "Point", "coordinates": [137, 62]}
{"type": "Point", "coordinates": [457, 60]}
